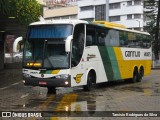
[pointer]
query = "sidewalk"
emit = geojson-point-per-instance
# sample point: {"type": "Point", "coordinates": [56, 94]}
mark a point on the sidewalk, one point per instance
{"type": "Point", "coordinates": [156, 64]}
{"type": "Point", "coordinates": [10, 76]}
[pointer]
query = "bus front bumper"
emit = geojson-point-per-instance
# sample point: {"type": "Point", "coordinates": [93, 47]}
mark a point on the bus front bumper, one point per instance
{"type": "Point", "coordinates": [47, 82]}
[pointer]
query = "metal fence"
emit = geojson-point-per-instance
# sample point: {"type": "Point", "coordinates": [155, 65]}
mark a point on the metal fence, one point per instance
{"type": "Point", "coordinates": [156, 64]}
{"type": "Point", "coordinates": [12, 60]}
{"type": "Point", "coordinates": [13, 57]}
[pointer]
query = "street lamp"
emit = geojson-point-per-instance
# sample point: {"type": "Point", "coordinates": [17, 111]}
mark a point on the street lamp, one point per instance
{"type": "Point", "coordinates": [138, 22]}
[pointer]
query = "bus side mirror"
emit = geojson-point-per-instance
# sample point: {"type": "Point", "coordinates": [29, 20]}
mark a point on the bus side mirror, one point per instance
{"type": "Point", "coordinates": [68, 43]}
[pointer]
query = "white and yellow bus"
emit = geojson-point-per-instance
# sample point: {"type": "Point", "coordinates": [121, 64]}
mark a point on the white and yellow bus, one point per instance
{"type": "Point", "coordinates": [80, 53]}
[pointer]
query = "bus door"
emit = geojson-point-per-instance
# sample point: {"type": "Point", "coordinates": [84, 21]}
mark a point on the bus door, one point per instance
{"type": "Point", "coordinates": [77, 63]}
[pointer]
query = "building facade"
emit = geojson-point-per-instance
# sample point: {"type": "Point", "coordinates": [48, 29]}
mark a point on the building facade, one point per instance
{"type": "Point", "coordinates": [69, 12]}
{"type": "Point", "coordinates": [129, 13]}
{"type": "Point", "coordinates": [93, 10]}
{"type": "Point", "coordinates": [60, 9]}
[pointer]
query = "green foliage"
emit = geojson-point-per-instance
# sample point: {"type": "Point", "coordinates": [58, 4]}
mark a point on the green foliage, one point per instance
{"type": "Point", "coordinates": [152, 27]}
{"type": "Point", "coordinates": [151, 6]}
{"type": "Point", "coordinates": [25, 11]}
{"type": "Point", "coordinates": [5, 7]}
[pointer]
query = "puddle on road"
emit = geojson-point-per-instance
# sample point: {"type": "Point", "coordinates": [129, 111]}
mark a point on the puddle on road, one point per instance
{"type": "Point", "coordinates": [33, 103]}
{"type": "Point", "coordinates": [136, 89]}
{"type": "Point", "coordinates": [148, 89]}
{"type": "Point", "coordinates": [85, 101]}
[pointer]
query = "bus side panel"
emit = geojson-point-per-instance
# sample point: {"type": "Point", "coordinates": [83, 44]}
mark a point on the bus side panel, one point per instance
{"type": "Point", "coordinates": [128, 58]}
{"type": "Point", "coordinates": [93, 57]}
{"type": "Point", "coordinates": [110, 63]}
{"type": "Point", "coordinates": [78, 75]}
{"type": "Point", "coordinates": [148, 64]}
{"type": "Point", "coordinates": [79, 72]}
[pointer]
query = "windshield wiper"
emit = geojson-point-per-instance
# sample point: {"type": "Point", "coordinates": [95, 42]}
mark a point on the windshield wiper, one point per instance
{"type": "Point", "coordinates": [44, 49]}
{"type": "Point", "coordinates": [35, 60]}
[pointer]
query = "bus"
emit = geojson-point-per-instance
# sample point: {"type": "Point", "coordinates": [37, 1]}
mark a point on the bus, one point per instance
{"type": "Point", "coordinates": [81, 53]}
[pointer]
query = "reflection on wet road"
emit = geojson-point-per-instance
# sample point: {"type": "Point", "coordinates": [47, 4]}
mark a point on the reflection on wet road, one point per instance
{"type": "Point", "coordinates": [115, 96]}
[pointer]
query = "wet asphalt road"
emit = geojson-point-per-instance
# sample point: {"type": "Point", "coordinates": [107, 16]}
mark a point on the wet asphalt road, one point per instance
{"type": "Point", "coordinates": [117, 96]}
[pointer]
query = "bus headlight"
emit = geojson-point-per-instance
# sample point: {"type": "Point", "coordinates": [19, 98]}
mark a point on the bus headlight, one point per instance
{"type": "Point", "coordinates": [66, 82]}
{"type": "Point", "coordinates": [64, 76]}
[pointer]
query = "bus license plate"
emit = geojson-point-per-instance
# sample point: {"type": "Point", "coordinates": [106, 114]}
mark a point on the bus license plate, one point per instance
{"type": "Point", "coordinates": [43, 83]}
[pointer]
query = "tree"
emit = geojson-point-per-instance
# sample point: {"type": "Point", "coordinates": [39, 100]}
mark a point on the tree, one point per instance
{"type": "Point", "coordinates": [153, 15]}
{"type": "Point", "coordinates": [157, 34]}
{"type": "Point", "coordinates": [25, 11]}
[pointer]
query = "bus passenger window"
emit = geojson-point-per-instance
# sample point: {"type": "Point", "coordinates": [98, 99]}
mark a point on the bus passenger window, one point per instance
{"type": "Point", "coordinates": [101, 40]}
{"type": "Point", "coordinates": [89, 40]}
{"type": "Point", "coordinates": [113, 36]}
{"type": "Point", "coordinates": [123, 39]}
{"type": "Point", "coordinates": [90, 35]}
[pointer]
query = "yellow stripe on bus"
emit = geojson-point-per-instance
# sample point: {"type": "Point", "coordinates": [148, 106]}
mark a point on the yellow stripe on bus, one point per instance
{"type": "Point", "coordinates": [55, 71]}
{"type": "Point", "coordinates": [126, 67]}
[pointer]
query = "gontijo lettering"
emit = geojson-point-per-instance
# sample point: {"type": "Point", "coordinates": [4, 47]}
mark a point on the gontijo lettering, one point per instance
{"type": "Point", "coordinates": [132, 53]}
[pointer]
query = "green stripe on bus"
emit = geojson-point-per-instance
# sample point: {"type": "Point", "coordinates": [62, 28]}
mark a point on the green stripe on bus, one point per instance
{"type": "Point", "coordinates": [110, 63]}
{"type": "Point", "coordinates": [45, 72]}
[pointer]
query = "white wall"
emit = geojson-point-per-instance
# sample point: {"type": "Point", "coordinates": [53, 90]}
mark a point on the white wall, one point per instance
{"type": "Point", "coordinates": [88, 13]}
{"type": "Point", "coordinates": [124, 11]}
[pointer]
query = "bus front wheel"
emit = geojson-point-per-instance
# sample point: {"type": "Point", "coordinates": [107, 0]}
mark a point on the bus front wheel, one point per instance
{"type": "Point", "coordinates": [51, 90]}
{"type": "Point", "coordinates": [89, 83]}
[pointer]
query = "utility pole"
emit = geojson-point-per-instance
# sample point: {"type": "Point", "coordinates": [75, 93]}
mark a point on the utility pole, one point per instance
{"type": "Point", "coordinates": [138, 23]}
{"type": "Point", "coordinates": [107, 10]}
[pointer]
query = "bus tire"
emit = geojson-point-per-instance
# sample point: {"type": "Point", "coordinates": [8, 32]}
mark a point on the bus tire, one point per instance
{"type": "Point", "coordinates": [89, 83]}
{"type": "Point", "coordinates": [135, 76]}
{"type": "Point", "coordinates": [51, 90]}
{"type": "Point", "coordinates": [141, 74]}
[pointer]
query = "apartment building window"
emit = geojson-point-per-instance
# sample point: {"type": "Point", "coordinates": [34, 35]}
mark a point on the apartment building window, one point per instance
{"type": "Point", "coordinates": [114, 6]}
{"type": "Point", "coordinates": [129, 3]}
{"type": "Point", "coordinates": [86, 8]}
{"type": "Point", "coordinates": [64, 17]}
{"type": "Point", "coordinates": [137, 2]}
{"type": "Point", "coordinates": [129, 17]}
{"type": "Point", "coordinates": [139, 29]}
{"type": "Point", "coordinates": [73, 17]}
{"type": "Point", "coordinates": [56, 18]}
{"type": "Point", "coordinates": [100, 12]}
{"type": "Point", "coordinates": [88, 19]}
{"type": "Point", "coordinates": [137, 16]}
{"type": "Point", "coordinates": [114, 18]}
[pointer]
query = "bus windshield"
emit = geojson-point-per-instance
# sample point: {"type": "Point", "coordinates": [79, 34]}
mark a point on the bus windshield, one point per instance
{"type": "Point", "coordinates": [45, 47]}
